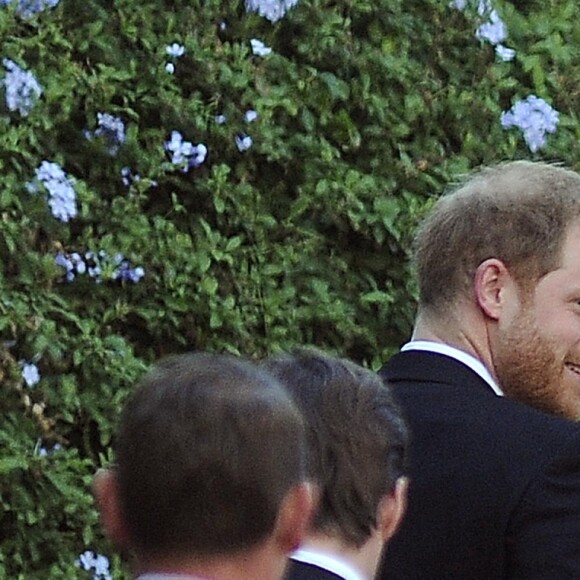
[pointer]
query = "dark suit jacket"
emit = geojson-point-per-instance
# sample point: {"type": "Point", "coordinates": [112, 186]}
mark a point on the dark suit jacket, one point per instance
{"type": "Point", "coordinates": [302, 571]}
{"type": "Point", "coordinates": [495, 485]}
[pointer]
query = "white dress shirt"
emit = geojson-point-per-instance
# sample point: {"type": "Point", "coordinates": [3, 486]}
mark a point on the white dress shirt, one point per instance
{"type": "Point", "coordinates": [468, 360]}
{"type": "Point", "coordinates": [326, 561]}
{"type": "Point", "coordinates": [169, 576]}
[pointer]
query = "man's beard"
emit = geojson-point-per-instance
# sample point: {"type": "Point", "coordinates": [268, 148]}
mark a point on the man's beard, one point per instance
{"type": "Point", "coordinates": [528, 370]}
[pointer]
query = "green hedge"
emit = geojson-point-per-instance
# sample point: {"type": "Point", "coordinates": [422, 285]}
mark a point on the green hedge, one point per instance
{"type": "Point", "coordinates": [365, 110]}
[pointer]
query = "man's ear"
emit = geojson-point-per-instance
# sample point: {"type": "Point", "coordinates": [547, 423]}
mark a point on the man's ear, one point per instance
{"type": "Point", "coordinates": [294, 516]}
{"type": "Point", "coordinates": [392, 509]}
{"type": "Point", "coordinates": [491, 282]}
{"type": "Point", "coordinates": [106, 492]}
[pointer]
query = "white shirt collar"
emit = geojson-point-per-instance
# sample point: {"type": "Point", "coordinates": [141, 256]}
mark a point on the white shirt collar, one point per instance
{"type": "Point", "coordinates": [168, 576]}
{"type": "Point", "coordinates": [474, 364]}
{"type": "Point", "coordinates": [327, 561]}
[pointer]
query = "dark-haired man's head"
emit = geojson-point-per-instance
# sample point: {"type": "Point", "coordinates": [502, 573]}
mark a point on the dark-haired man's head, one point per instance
{"type": "Point", "coordinates": [357, 446]}
{"type": "Point", "coordinates": [499, 277]}
{"type": "Point", "coordinates": [210, 470]}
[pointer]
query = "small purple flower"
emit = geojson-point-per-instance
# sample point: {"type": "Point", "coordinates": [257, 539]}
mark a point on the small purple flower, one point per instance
{"type": "Point", "coordinates": [126, 272]}
{"type": "Point", "coordinates": [259, 48]}
{"type": "Point", "coordinates": [243, 142]}
{"type": "Point", "coordinates": [494, 31]}
{"type": "Point", "coordinates": [198, 155]}
{"type": "Point", "coordinates": [44, 451]}
{"type": "Point", "coordinates": [128, 177]}
{"type": "Point", "coordinates": [175, 50]}
{"type": "Point", "coordinates": [177, 147]}
{"type": "Point", "coordinates": [111, 129]}
{"type": "Point", "coordinates": [96, 563]}
{"type": "Point", "coordinates": [30, 374]}
{"type": "Point", "coordinates": [484, 7]}
{"type": "Point", "coordinates": [64, 262]}
{"type": "Point", "coordinates": [250, 115]}
{"type": "Point", "coordinates": [506, 54]}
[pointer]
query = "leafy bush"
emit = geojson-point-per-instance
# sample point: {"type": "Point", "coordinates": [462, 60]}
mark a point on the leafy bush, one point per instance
{"type": "Point", "coordinates": [169, 184]}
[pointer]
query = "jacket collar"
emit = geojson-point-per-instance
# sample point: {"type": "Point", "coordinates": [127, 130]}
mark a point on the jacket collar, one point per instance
{"type": "Point", "coordinates": [431, 367]}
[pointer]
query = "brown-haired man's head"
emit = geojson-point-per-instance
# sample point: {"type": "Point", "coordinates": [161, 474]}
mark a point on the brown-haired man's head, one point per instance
{"type": "Point", "coordinates": [357, 448]}
{"type": "Point", "coordinates": [210, 464]}
{"type": "Point", "coordinates": [499, 277]}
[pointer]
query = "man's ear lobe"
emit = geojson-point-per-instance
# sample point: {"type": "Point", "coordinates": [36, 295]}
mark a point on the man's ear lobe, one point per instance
{"type": "Point", "coordinates": [106, 493]}
{"type": "Point", "coordinates": [392, 509]}
{"type": "Point", "coordinates": [490, 284]}
{"type": "Point", "coordinates": [294, 516]}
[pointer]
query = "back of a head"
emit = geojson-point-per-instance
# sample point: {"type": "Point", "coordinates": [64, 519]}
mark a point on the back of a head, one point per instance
{"type": "Point", "coordinates": [517, 212]}
{"type": "Point", "coordinates": [356, 439]}
{"type": "Point", "coordinates": [208, 446]}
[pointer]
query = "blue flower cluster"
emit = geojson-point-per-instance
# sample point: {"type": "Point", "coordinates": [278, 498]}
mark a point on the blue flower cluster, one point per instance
{"type": "Point", "coordinates": [493, 30]}
{"type": "Point", "coordinates": [75, 264]}
{"type": "Point", "coordinates": [534, 117]}
{"type": "Point", "coordinates": [125, 272]}
{"type": "Point", "coordinates": [30, 374]}
{"type": "Point", "coordinates": [183, 153]}
{"type": "Point", "coordinates": [61, 193]}
{"type": "Point", "coordinates": [272, 10]}
{"type": "Point", "coordinates": [22, 89]}
{"type": "Point", "coordinates": [111, 129]}
{"type": "Point", "coordinates": [28, 8]}
{"type": "Point", "coordinates": [96, 264]}
{"type": "Point", "coordinates": [96, 563]}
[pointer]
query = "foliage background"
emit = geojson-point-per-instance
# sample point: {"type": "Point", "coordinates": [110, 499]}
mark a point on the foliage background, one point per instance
{"type": "Point", "coordinates": [367, 109]}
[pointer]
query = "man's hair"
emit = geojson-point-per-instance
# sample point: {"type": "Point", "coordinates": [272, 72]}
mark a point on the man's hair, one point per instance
{"type": "Point", "coordinates": [208, 447]}
{"type": "Point", "coordinates": [517, 212]}
{"type": "Point", "coordinates": [356, 439]}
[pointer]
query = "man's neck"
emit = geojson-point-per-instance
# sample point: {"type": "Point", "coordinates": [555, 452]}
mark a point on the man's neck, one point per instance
{"type": "Point", "coordinates": [241, 566]}
{"type": "Point", "coordinates": [363, 560]}
{"type": "Point", "coordinates": [464, 330]}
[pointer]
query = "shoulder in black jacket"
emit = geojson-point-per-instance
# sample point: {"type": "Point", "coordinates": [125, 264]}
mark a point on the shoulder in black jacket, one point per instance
{"type": "Point", "coordinates": [495, 485]}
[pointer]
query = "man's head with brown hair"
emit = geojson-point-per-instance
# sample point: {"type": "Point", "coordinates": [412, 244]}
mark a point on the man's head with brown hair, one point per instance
{"type": "Point", "coordinates": [210, 451]}
{"type": "Point", "coordinates": [499, 277]}
{"type": "Point", "coordinates": [357, 448]}
{"type": "Point", "coordinates": [517, 212]}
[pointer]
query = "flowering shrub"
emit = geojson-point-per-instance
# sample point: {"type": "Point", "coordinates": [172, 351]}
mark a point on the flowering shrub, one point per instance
{"type": "Point", "coordinates": [240, 177]}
